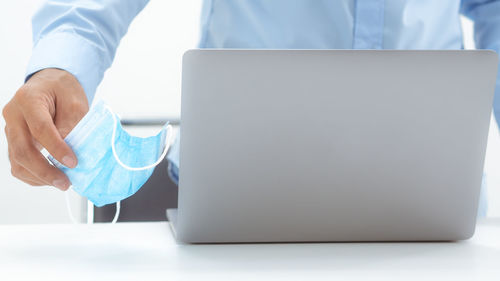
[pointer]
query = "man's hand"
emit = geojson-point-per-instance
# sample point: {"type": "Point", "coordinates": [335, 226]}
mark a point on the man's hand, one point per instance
{"type": "Point", "coordinates": [41, 113]}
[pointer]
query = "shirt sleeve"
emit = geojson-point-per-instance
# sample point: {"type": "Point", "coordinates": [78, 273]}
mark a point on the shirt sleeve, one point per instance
{"type": "Point", "coordinates": [486, 17]}
{"type": "Point", "coordinates": [80, 37]}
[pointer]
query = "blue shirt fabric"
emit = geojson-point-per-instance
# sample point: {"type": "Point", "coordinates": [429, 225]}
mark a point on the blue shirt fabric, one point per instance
{"type": "Point", "coordinates": [82, 36]}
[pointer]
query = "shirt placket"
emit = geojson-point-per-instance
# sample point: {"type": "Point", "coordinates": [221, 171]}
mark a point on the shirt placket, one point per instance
{"type": "Point", "coordinates": [368, 24]}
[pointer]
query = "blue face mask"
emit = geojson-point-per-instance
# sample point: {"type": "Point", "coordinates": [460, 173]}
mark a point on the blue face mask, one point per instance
{"type": "Point", "coordinates": [112, 165]}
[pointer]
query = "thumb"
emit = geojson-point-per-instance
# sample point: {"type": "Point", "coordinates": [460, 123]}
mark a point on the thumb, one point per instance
{"type": "Point", "coordinates": [69, 113]}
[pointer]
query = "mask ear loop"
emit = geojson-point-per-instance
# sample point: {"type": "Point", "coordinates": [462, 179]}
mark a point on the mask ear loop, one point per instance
{"type": "Point", "coordinates": [72, 218]}
{"type": "Point", "coordinates": [117, 213]}
{"type": "Point", "coordinates": [68, 208]}
{"type": "Point", "coordinates": [168, 141]}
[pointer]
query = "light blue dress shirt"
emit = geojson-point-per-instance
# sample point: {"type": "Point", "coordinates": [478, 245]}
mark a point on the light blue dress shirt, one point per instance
{"type": "Point", "coordinates": [82, 36]}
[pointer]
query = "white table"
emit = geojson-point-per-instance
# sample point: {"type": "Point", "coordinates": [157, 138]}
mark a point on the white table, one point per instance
{"type": "Point", "coordinates": [147, 251]}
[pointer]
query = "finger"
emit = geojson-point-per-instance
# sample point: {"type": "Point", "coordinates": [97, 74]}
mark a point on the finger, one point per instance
{"type": "Point", "coordinates": [24, 153]}
{"type": "Point", "coordinates": [17, 170]}
{"type": "Point", "coordinates": [21, 173]}
{"type": "Point", "coordinates": [42, 128]}
{"type": "Point", "coordinates": [32, 183]}
{"type": "Point", "coordinates": [44, 172]}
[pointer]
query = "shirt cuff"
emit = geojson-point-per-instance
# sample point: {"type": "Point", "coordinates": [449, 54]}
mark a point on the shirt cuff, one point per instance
{"type": "Point", "coordinates": [70, 52]}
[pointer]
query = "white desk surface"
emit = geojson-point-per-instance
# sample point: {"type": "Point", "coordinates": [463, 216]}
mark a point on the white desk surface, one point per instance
{"type": "Point", "coordinates": [147, 251]}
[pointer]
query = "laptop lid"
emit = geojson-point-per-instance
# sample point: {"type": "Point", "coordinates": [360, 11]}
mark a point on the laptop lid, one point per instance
{"type": "Point", "coordinates": [332, 145]}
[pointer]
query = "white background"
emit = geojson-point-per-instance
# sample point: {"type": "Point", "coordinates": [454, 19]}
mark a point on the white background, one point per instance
{"type": "Point", "coordinates": [144, 81]}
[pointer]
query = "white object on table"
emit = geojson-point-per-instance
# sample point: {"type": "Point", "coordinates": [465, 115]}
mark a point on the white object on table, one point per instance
{"type": "Point", "coordinates": [148, 251]}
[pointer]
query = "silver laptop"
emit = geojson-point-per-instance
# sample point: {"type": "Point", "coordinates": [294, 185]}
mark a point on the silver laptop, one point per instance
{"type": "Point", "coordinates": [332, 145]}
